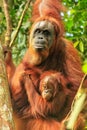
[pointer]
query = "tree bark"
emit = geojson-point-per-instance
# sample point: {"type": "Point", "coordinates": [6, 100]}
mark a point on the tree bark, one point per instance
{"type": "Point", "coordinates": [6, 118]}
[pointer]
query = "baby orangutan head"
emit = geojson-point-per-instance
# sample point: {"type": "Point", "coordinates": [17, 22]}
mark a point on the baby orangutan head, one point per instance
{"type": "Point", "coordinates": [49, 87]}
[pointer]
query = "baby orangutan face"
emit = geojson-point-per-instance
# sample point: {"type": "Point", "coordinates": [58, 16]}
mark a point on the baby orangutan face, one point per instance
{"type": "Point", "coordinates": [48, 87]}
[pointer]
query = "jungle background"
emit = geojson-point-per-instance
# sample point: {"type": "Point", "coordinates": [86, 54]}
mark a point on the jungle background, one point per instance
{"type": "Point", "coordinates": [75, 21]}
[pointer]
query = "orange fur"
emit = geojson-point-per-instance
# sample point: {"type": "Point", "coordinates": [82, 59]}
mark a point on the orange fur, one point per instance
{"type": "Point", "coordinates": [62, 58]}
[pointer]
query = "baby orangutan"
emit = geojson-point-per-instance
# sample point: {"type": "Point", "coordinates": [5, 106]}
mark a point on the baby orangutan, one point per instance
{"type": "Point", "coordinates": [49, 86]}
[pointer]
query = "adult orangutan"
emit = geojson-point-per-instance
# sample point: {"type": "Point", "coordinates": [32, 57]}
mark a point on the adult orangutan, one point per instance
{"type": "Point", "coordinates": [46, 81]}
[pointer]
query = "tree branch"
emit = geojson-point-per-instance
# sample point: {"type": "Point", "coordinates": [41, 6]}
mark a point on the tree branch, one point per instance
{"type": "Point", "coordinates": [20, 22]}
{"type": "Point", "coordinates": [8, 21]}
{"type": "Point", "coordinates": [77, 106]}
{"type": "Point", "coordinates": [6, 118]}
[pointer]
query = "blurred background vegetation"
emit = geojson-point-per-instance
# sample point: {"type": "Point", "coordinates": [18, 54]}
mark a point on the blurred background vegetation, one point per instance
{"type": "Point", "coordinates": [75, 21]}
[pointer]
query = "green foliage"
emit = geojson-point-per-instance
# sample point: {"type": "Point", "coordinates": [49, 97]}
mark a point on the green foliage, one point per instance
{"type": "Point", "coordinates": [2, 21]}
{"type": "Point", "coordinates": [75, 20]}
{"type": "Point", "coordinates": [2, 24]}
{"type": "Point", "coordinates": [20, 44]}
{"type": "Point", "coordinates": [84, 68]}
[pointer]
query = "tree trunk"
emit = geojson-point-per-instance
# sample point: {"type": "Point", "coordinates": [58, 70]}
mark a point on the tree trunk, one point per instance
{"type": "Point", "coordinates": [6, 118]}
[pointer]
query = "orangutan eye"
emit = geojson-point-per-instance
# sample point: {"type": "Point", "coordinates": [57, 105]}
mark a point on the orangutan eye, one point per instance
{"type": "Point", "coordinates": [46, 32]}
{"type": "Point", "coordinates": [37, 31]}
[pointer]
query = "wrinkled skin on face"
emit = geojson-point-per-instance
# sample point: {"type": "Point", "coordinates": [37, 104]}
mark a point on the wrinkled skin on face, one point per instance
{"type": "Point", "coordinates": [42, 35]}
{"type": "Point", "coordinates": [41, 39]}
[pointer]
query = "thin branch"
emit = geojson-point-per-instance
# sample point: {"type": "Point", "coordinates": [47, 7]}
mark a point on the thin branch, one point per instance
{"type": "Point", "coordinates": [20, 22]}
{"type": "Point", "coordinates": [8, 21]}
{"type": "Point", "coordinates": [77, 106]}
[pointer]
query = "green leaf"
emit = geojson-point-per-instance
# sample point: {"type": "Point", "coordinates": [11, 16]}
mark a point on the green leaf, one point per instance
{"type": "Point", "coordinates": [81, 46]}
{"type": "Point", "coordinates": [76, 44]}
{"type": "Point", "coordinates": [84, 68]}
{"type": "Point", "coordinates": [26, 25]}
